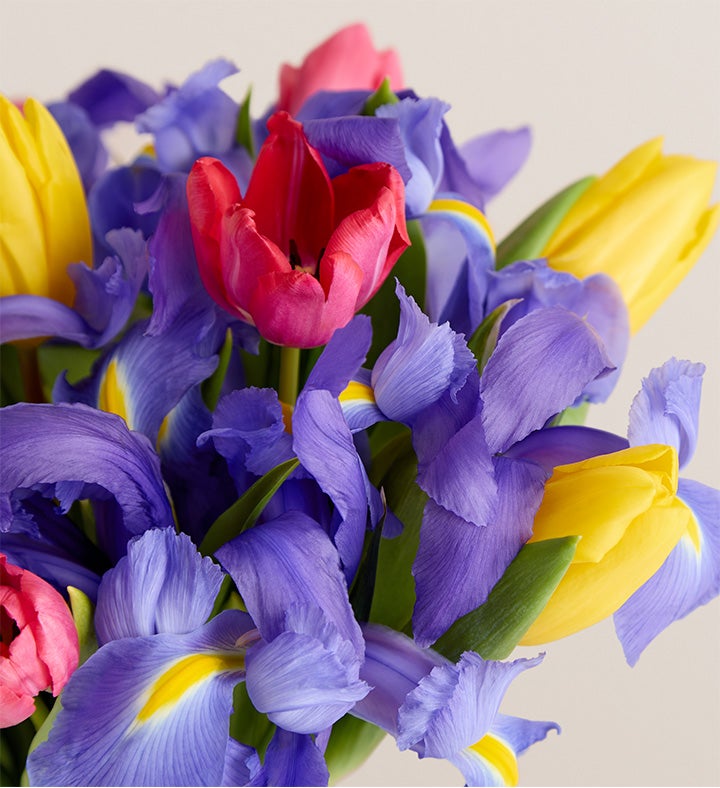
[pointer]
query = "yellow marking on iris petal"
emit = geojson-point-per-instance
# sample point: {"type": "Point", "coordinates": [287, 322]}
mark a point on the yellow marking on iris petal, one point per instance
{"type": "Point", "coordinates": [500, 756]}
{"type": "Point", "coordinates": [111, 397]}
{"type": "Point", "coordinates": [287, 413]}
{"type": "Point", "coordinates": [468, 211]}
{"type": "Point", "coordinates": [693, 533]}
{"type": "Point", "coordinates": [357, 391]}
{"type": "Point", "coordinates": [162, 432]}
{"type": "Point", "coordinates": [184, 675]}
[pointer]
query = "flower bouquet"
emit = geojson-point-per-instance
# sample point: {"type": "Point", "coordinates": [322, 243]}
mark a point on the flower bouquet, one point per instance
{"type": "Point", "coordinates": [293, 453]}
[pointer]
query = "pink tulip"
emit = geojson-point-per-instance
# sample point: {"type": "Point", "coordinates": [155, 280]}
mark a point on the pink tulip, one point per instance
{"type": "Point", "coordinates": [39, 647]}
{"type": "Point", "coordinates": [299, 254]}
{"type": "Point", "coordinates": [345, 61]}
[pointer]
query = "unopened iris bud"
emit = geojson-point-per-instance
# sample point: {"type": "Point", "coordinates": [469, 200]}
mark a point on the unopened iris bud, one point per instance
{"type": "Point", "coordinates": [644, 223]}
{"type": "Point", "coordinates": [44, 218]}
{"type": "Point", "coordinates": [624, 507]}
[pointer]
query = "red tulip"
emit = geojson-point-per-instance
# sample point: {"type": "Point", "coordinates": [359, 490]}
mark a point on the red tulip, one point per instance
{"type": "Point", "coordinates": [346, 61]}
{"type": "Point", "coordinates": [39, 647]}
{"type": "Point", "coordinates": [299, 254]}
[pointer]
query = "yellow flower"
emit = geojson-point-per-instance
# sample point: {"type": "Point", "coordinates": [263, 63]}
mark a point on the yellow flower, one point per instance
{"type": "Point", "coordinates": [624, 507]}
{"type": "Point", "coordinates": [644, 223]}
{"type": "Point", "coordinates": [43, 214]}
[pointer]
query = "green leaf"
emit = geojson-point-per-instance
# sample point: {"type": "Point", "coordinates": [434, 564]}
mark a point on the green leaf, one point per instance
{"type": "Point", "coordinates": [83, 612]}
{"type": "Point", "coordinates": [394, 596]}
{"type": "Point", "coordinates": [572, 417]}
{"type": "Point", "coordinates": [243, 130]}
{"type": "Point", "coordinates": [247, 724]}
{"type": "Point", "coordinates": [485, 337]}
{"type": "Point", "coordinates": [383, 95]}
{"type": "Point", "coordinates": [56, 358]}
{"type": "Point", "coordinates": [244, 512]}
{"type": "Point", "coordinates": [384, 307]}
{"type": "Point", "coordinates": [212, 387]}
{"type": "Point", "coordinates": [527, 241]}
{"type": "Point", "coordinates": [351, 743]}
{"type": "Point", "coordinates": [495, 628]}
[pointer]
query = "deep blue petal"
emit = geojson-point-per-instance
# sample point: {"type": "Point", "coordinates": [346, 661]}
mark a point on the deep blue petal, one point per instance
{"type": "Point", "coordinates": [110, 96]}
{"type": "Point", "coordinates": [294, 759]}
{"type": "Point", "coordinates": [83, 137]}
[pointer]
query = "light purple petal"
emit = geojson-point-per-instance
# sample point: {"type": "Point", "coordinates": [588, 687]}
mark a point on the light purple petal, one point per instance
{"type": "Point", "coordinates": [342, 357]}
{"type": "Point", "coordinates": [294, 759]}
{"type": "Point", "coordinates": [84, 140]}
{"type": "Point", "coordinates": [492, 159]}
{"type": "Point", "coordinates": [304, 566]}
{"type": "Point", "coordinates": [29, 316]}
{"type": "Point", "coordinates": [690, 577]}
{"type": "Point", "coordinates": [304, 682]}
{"type": "Point", "coordinates": [667, 407]}
{"type": "Point", "coordinates": [105, 735]}
{"type": "Point", "coordinates": [539, 367]}
{"type": "Point", "coordinates": [420, 123]}
{"type": "Point", "coordinates": [424, 362]}
{"type": "Point", "coordinates": [456, 705]}
{"type": "Point", "coordinates": [324, 445]}
{"type": "Point", "coordinates": [242, 765]}
{"type": "Point", "coordinates": [564, 445]}
{"type": "Point", "coordinates": [597, 299]}
{"type": "Point", "coordinates": [162, 585]}
{"type": "Point", "coordinates": [459, 563]}
{"type": "Point", "coordinates": [349, 141]}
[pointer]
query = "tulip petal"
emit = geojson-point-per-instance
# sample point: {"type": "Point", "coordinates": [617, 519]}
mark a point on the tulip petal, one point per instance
{"type": "Point", "coordinates": [539, 367]}
{"type": "Point", "coordinates": [162, 585]}
{"type": "Point", "coordinates": [290, 192]}
{"type": "Point", "coordinates": [690, 576]}
{"type": "Point", "coordinates": [169, 693]}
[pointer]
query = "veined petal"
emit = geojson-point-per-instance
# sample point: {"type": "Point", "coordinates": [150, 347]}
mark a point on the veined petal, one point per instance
{"type": "Point", "coordinates": [304, 565]}
{"type": "Point", "coordinates": [342, 357]}
{"type": "Point", "coordinates": [30, 316]}
{"type": "Point", "coordinates": [540, 365]}
{"type": "Point", "coordinates": [162, 585]}
{"type": "Point", "coordinates": [169, 693]}
{"type": "Point", "coordinates": [290, 192]}
{"type": "Point", "coordinates": [424, 362]}
{"type": "Point", "coordinates": [324, 445]}
{"type": "Point", "coordinates": [666, 409]}
{"type": "Point", "coordinates": [689, 577]}
{"type": "Point", "coordinates": [302, 683]}
{"type": "Point", "coordinates": [94, 455]}
{"type": "Point", "coordinates": [458, 563]}
{"type": "Point", "coordinates": [294, 759]}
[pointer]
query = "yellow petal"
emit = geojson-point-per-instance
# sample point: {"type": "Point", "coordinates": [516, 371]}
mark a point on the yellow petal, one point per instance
{"type": "Point", "coordinates": [588, 593]}
{"type": "Point", "coordinates": [60, 193]}
{"type": "Point", "coordinates": [23, 264]}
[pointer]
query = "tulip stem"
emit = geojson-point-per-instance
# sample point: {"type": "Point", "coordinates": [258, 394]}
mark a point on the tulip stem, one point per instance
{"type": "Point", "coordinates": [30, 373]}
{"type": "Point", "coordinates": [289, 375]}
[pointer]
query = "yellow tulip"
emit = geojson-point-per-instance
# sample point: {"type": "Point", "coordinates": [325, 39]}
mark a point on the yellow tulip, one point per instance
{"type": "Point", "coordinates": [624, 507]}
{"type": "Point", "coordinates": [644, 223]}
{"type": "Point", "coordinates": [43, 213]}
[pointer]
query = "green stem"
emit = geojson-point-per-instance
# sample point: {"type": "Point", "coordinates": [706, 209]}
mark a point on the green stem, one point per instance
{"type": "Point", "coordinates": [30, 372]}
{"type": "Point", "coordinates": [289, 375]}
{"type": "Point", "coordinates": [40, 714]}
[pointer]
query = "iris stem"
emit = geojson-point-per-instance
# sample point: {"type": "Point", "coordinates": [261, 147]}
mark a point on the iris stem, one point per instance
{"type": "Point", "coordinates": [289, 375]}
{"type": "Point", "coordinates": [30, 373]}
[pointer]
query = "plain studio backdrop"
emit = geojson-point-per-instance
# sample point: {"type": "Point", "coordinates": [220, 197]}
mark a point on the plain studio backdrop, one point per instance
{"type": "Point", "coordinates": [592, 79]}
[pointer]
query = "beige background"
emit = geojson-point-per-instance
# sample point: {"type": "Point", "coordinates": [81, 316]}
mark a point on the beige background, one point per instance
{"type": "Point", "coordinates": [593, 79]}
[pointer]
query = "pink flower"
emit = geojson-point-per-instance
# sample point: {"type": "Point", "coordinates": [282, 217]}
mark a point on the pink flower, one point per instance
{"type": "Point", "coordinates": [299, 254]}
{"type": "Point", "coordinates": [39, 648]}
{"type": "Point", "coordinates": [346, 61]}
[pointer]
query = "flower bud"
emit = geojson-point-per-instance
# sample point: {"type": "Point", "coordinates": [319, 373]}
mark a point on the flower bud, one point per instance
{"type": "Point", "coordinates": [644, 223]}
{"type": "Point", "coordinates": [624, 507]}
